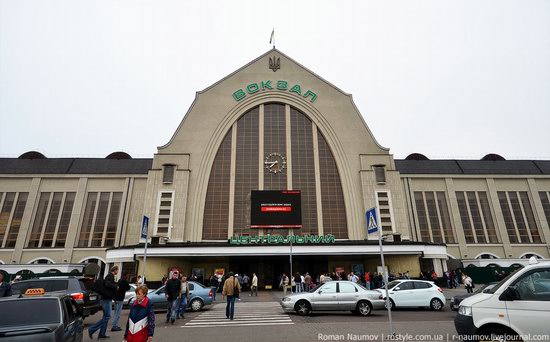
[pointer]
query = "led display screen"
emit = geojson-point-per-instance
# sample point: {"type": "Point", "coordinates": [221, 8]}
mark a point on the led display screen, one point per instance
{"type": "Point", "coordinates": [275, 209]}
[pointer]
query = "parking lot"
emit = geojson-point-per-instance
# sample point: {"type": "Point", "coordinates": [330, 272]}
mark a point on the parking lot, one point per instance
{"type": "Point", "coordinates": [262, 319]}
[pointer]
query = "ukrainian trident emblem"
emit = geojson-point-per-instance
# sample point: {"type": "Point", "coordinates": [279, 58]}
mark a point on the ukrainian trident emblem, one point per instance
{"type": "Point", "coordinates": [274, 63]}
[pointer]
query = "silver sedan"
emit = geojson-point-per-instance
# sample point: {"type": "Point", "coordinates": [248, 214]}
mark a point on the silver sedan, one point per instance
{"type": "Point", "coordinates": [334, 296]}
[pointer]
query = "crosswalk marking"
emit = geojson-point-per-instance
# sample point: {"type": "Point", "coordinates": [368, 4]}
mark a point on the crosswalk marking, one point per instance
{"type": "Point", "coordinates": [246, 314]}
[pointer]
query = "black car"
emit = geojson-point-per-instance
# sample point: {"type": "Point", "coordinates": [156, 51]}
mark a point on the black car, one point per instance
{"type": "Point", "coordinates": [49, 317]}
{"type": "Point", "coordinates": [456, 300]}
{"type": "Point", "coordinates": [79, 288]}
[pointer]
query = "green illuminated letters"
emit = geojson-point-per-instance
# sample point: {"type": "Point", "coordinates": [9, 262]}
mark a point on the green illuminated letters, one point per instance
{"type": "Point", "coordinates": [312, 94]}
{"type": "Point", "coordinates": [282, 85]}
{"type": "Point", "coordinates": [252, 88]}
{"type": "Point", "coordinates": [239, 95]}
{"type": "Point", "coordinates": [266, 85]}
{"type": "Point", "coordinates": [296, 89]}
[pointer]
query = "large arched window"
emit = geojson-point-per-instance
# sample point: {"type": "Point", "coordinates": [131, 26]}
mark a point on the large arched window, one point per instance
{"type": "Point", "coordinates": [311, 168]}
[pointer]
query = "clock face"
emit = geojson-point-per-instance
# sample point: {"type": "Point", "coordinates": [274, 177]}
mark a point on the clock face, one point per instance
{"type": "Point", "coordinates": [275, 163]}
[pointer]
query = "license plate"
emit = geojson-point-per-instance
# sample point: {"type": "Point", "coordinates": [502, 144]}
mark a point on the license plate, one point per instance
{"type": "Point", "coordinates": [93, 297]}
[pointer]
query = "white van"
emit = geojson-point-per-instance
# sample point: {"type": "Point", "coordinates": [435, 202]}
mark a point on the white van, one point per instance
{"type": "Point", "coordinates": [518, 306]}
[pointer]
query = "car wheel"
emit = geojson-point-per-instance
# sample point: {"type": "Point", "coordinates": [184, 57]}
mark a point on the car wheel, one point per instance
{"type": "Point", "coordinates": [436, 304]}
{"type": "Point", "coordinates": [196, 304]}
{"type": "Point", "coordinates": [303, 308]}
{"type": "Point", "coordinates": [499, 334]}
{"type": "Point", "coordinates": [364, 308]}
{"type": "Point", "coordinates": [392, 304]}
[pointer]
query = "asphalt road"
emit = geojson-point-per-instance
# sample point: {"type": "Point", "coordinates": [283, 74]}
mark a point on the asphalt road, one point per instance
{"type": "Point", "coordinates": [262, 319]}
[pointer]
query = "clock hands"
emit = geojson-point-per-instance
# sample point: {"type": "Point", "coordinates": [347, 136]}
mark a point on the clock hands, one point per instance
{"type": "Point", "coordinates": [271, 164]}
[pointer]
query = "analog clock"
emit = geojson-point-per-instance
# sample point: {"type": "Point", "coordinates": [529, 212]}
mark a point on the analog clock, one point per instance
{"type": "Point", "coordinates": [275, 163]}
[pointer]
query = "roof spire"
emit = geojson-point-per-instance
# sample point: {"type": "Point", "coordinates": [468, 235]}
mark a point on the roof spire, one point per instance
{"type": "Point", "coordinates": [272, 38]}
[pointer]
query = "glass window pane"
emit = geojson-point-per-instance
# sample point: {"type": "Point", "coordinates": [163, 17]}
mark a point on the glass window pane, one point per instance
{"type": "Point", "coordinates": [432, 216]}
{"type": "Point", "coordinates": [88, 220]}
{"type": "Point", "coordinates": [55, 210]}
{"type": "Point", "coordinates": [445, 218]}
{"type": "Point", "coordinates": [507, 214]}
{"type": "Point", "coordinates": [216, 207]}
{"type": "Point", "coordinates": [465, 217]}
{"type": "Point", "coordinates": [16, 220]}
{"type": "Point", "coordinates": [65, 219]}
{"type": "Point", "coordinates": [39, 219]}
{"type": "Point", "coordinates": [488, 217]}
{"type": "Point", "coordinates": [422, 217]}
{"type": "Point", "coordinates": [533, 228]}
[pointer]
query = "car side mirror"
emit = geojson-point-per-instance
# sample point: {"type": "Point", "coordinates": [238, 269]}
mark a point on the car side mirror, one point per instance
{"type": "Point", "coordinates": [320, 291]}
{"type": "Point", "coordinates": [510, 294]}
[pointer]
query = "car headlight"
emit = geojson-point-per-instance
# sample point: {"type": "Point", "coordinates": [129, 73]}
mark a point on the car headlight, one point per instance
{"type": "Point", "coordinates": [465, 310]}
{"type": "Point", "coordinates": [286, 299]}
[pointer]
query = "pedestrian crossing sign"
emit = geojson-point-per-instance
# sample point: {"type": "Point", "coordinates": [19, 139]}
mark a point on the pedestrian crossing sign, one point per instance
{"type": "Point", "coordinates": [372, 222]}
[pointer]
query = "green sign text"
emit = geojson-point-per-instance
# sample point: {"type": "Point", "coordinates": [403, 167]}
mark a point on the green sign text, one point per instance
{"type": "Point", "coordinates": [281, 240]}
{"type": "Point", "coordinates": [256, 87]}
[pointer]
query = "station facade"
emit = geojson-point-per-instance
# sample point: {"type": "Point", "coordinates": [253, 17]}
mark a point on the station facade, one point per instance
{"type": "Point", "coordinates": [271, 125]}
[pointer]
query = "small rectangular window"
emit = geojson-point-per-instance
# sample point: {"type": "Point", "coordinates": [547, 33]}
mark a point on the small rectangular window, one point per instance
{"type": "Point", "coordinates": [168, 175]}
{"type": "Point", "coordinates": [380, 174]}
{"type": "Point", "coordinates": [384, 209]}
{"type": "Point", "coordinates": [164, 213]}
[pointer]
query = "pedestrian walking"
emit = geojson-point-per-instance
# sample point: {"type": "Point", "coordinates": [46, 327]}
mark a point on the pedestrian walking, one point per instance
{"type": "Point", "coordinates": [307, 281]}
{"type": "Point", "coordinates": [231, 289]}
{"type": "Point", "coordinates": [106, 288]}
{"type": "Point", "coordinates": [173, 288]}
{"type": "Point", "coordinates": [367, 280]}
{"type": "Point", "coordinates": [184, 297]}
{"type": "Point", "coordinates": [246, 281]}
{"type": "Point", "coordinates": [298, 282]}
{"type": "Point", "coordinates": [140, 326]}
{"type": "Point", "coordinates": [353, 278]}
{"type": "Point", "coordinates": [467, 281]}
{"type": "Point", "coordinates": [254, 288]}
{"type": "Point", "coordinates": [122, 287]}
{"type": "Point", "coordinates": [5, 287]}
{"type": "Point", "coordinates": [214, 286]}
{"type": "Point", "coordinates": [284, 282]}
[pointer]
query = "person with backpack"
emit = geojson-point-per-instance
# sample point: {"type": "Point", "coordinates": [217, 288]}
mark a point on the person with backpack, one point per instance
{"type": "Point", "coordinates": [106, 288]}
{"type": "Point", "coordinates": [231, 289]}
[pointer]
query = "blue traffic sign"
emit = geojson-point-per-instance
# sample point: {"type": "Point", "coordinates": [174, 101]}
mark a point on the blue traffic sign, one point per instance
{"type": "Point", "coordinates": [144, 227]}
{"type": "Point", "coordinates": [372, 221]}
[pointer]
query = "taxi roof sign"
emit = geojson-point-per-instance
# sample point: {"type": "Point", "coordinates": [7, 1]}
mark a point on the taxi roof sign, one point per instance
{"type": "Point", "coordinates": [35, 292]}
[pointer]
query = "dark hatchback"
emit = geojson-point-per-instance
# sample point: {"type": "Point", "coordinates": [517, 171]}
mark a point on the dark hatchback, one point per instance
{"type": "Point", "coordinates": [49, 317]}
{"type": "Point", "coordinates": [79, 288]}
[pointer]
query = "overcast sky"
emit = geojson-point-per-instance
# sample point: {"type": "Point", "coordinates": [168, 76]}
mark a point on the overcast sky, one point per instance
{"type": "Point", "coordinates": [449, 79]}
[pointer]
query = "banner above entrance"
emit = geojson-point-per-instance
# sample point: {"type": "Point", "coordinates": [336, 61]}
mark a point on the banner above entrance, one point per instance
{"type": "Point", "coordinates": [281, 240]}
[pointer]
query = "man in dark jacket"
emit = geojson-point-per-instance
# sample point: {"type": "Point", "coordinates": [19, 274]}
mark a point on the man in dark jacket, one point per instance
{"type": "Point", "coordinates": [173, 288]}
{"type": "Point", "coordinates": [123, 287]}
{"type": "Point", "coordinates": [5, 287]}
{"type": "Point", "coordinates": [108, 292]}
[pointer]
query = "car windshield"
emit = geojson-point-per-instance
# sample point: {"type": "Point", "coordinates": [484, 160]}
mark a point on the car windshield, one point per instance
{"type": "Point", "coordinates": [23, 312]}
{"type": "Point", "coordinates": [497, 286]}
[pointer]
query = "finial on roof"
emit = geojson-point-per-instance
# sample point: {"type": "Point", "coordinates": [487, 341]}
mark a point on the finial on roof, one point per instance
{"type": "Point", "coordinates": [272, 38]}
